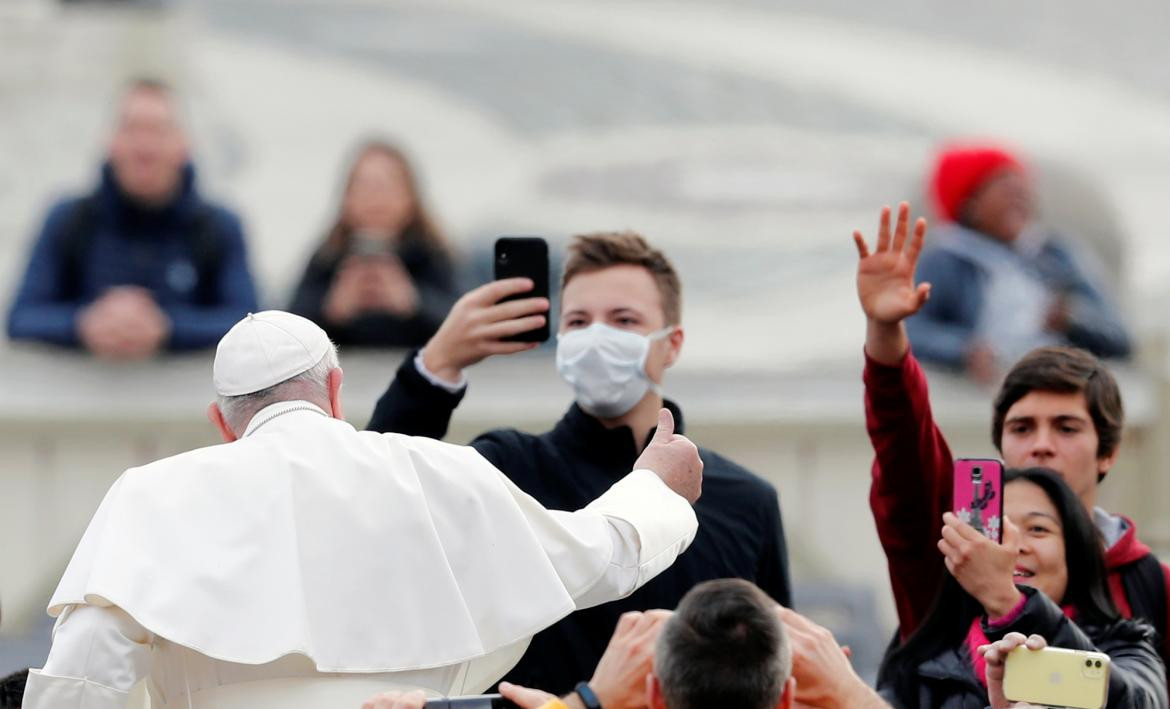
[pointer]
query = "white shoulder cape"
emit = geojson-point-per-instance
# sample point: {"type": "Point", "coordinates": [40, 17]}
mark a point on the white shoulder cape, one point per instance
{"type": "Point", "coordinates": [364, 552]}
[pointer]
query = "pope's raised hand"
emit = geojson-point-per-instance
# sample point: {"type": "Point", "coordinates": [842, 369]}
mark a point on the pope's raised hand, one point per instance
{"type": "Point", "coordinates": [885, 277]}
{"type": "Point", "coordinates": [673, 458]}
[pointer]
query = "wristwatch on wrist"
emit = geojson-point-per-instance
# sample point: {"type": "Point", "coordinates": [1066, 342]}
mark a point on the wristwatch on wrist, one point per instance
{"type": "Point", "coordinates": [588, 696]}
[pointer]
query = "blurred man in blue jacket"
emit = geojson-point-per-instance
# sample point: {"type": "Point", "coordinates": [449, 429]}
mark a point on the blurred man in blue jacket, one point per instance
{"type": "Point", "coordinates": [1002, 285]}
{"type": "Point", "coordinates": [143, 264]}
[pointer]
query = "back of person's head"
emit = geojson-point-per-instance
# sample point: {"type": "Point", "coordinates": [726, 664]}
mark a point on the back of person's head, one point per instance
{"type": "Point", "coordinates": [270, 357]}
{"type": "Point", "coordinates": [148, 148]}
{"type": "Point", "coordinates": [597, 251]}
{"type": "Point", "coordinates": [723, 647]}
{"type": "Point", "coordinates": [382, 199]}
{"type": "Point", "coordinates": [1065, 370]}
{"type": "Point", "coordinates": [312, 385]}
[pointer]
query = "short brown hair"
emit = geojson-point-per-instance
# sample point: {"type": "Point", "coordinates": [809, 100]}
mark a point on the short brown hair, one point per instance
{"type": "Point", "coordinates": [593, 252]}
{"type": "Point", "coordinates": [1065, 370]}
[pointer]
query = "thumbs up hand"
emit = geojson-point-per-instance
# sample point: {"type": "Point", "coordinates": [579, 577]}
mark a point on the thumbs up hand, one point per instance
{"type": "Point", "coordinates": [674, 459]}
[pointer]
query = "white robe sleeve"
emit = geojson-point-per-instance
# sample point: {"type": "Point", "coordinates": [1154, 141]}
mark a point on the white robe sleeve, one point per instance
{"type": "Point", "coordinates": [98, 655]}
{"type": "Point", "coordinates": [638, 528]}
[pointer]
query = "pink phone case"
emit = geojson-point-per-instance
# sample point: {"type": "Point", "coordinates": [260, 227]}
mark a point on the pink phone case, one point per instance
{"type": "Point", "coordinates": [978, 495]}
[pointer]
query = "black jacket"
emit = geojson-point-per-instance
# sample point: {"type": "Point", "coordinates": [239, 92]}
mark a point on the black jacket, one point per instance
{"type": "Point", "coordinates": [1136, 680]}
{"type": "Point", "coordinates": [740, 533]}
{"type": "Point", "coordinates": [433, 276]}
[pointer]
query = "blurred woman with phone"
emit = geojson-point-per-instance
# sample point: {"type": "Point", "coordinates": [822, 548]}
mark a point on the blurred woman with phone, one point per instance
{"type": "Point", "coordinates": [384, 276]}
{"type": "Point", "coordinates": [1047, 578]}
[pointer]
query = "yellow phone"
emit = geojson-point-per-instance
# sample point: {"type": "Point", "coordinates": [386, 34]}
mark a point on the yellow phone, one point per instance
{"type": "Point", "coordinates": [1057, 677]}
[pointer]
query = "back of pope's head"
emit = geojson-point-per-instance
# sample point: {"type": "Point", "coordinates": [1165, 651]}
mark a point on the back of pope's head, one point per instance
{"type": "Point", "coordinates": [269, 357]}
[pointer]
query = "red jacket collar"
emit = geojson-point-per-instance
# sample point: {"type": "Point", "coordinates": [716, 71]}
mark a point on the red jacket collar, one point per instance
{"type": "Point", "coordinates": [1126, 550]}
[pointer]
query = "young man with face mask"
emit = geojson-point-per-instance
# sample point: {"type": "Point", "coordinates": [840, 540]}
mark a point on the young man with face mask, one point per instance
{"type": "Point", "coordinates": [620, 329]}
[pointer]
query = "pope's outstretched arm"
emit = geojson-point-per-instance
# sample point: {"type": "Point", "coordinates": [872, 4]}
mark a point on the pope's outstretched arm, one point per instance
{"type": "Point", "coordinates": [98, 655]}
{"type": "Point", "coordinates": [637, 528]}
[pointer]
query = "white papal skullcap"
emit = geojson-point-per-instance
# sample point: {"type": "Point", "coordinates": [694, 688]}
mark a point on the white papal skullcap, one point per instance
{"type": "Point", "coordinates": [265, 349]}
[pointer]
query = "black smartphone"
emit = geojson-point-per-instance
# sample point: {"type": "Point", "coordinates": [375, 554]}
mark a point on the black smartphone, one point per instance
{"type": "Point", "coordinates": [482, 701]}
{"type": "Point", "coordinates": [524, 256]}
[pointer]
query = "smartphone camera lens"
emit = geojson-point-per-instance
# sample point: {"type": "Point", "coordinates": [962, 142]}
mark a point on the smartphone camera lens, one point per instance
{"type": "Point", "coordinates": [1098, 663]}
{"type": "Point", "coordinates": [503, 257]}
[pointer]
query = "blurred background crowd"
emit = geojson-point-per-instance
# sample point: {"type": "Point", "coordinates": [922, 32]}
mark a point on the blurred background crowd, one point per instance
{"type": "Point", "coordinates": [172, 165]}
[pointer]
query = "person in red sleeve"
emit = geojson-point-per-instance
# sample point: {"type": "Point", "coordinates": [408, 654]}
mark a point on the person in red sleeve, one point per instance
{"type": "Point", "coordinates": [1058, 407]}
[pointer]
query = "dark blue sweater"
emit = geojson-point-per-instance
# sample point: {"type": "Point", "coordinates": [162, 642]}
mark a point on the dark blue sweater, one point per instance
{"type": "Point", "coordinates": [125, 244]}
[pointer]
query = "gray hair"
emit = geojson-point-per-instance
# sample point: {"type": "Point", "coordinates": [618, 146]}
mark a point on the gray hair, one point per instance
{"type": "Point", "coordinates": [311, 385]}
{"type": "Point", "coordinates": [724, 646]}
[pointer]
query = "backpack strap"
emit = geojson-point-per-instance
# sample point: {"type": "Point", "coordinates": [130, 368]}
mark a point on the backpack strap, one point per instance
{"type": "Point", "coordinates": [1145, 588]}
{"type": "Point", "coordinates": [73, 245]}
{"type": "Point", "coordinates": [205, 242]}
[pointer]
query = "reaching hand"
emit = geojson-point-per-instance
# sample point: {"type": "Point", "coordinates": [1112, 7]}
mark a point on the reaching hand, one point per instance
{"type": "Point", "coordinates": [673, 458]}
{"type": "Point", "coordinates": [525, 697]}
{"type": "Point", "coordinates": [983, 568]}
{"type": "Point", "coordinates": [474, 328]}
{"type": "Point", "coordinates": [995, 655]}
{"type": "Point", "coordinates": [824, 676]}
{"type": "Point", "coordinates": [885, 278]}
{"type": "Point", "coordinates": [620, 678]}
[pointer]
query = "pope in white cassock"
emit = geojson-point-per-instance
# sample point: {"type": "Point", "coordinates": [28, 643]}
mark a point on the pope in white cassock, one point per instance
{"type": "Point", "coordinates": [307, 564]}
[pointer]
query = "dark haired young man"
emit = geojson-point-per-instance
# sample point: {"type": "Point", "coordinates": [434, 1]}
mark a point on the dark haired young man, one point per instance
{"type": "Point", "coordinates": [1058, 407]}
{"type": "Point", "coordinates": [620, 329]}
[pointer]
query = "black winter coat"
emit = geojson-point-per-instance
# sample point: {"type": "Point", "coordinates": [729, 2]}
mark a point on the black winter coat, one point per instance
{"type": "Point", "coordinates": [740, 532]}
{"type": "Point", "coordinates": [433, 277]}
{"type": "Point", "coordinates": [1136, 680]}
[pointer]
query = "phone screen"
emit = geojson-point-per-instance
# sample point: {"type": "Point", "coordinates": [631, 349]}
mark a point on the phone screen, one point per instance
{"type": "Point", "coordinates": [978, 495]}
{"type": "Point", "coordinates": [524, 256]}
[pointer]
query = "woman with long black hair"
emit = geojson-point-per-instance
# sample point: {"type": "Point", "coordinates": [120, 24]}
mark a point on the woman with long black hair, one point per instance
{"type": "Point", "coordinates": [384, 276]}
{"type": "Point", "coordinates": [1047, 578]}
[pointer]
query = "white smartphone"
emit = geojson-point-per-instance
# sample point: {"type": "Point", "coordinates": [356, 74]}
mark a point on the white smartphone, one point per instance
{"type": "Point", "coordinates": [1057, 677]}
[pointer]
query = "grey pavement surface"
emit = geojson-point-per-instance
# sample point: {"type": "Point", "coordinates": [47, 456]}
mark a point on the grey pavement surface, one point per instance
{"type": "Point", "coordinates": [534, 83]}
{"type": "Point", "coordinates": [1124, 40]}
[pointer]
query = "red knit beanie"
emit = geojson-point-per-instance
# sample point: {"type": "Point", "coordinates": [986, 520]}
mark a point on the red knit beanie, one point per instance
{"type": "Point", "coordinates": [960, 171]}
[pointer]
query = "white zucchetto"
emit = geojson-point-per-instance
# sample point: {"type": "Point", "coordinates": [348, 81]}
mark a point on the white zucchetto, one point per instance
{"type": "Point", "coordinates": [265, 349]}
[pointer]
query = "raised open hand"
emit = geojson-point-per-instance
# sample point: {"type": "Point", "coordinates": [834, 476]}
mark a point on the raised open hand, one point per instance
{"type": "Point", "coordinates": [885, 278]}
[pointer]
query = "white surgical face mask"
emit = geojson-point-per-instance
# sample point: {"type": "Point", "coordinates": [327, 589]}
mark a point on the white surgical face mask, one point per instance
{"type": "Point", "coordinates": [606, 367]}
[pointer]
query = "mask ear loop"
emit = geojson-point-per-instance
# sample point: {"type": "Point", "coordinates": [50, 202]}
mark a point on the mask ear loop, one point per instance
{"type": "Point", "coordinates": [650, 338]}
{"type": "Point", "coordinates": [663, 333]}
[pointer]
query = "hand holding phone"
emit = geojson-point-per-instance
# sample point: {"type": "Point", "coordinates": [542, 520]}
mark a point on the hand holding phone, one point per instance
{"type": "Point", "coordinates": [978, 495]}
{"type": "Point", "coordinates": [972, 540]}
{"type": "Point", "coordinates": [1054, 676]}
{"type": "Point", "coordinates": [480, 323]}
